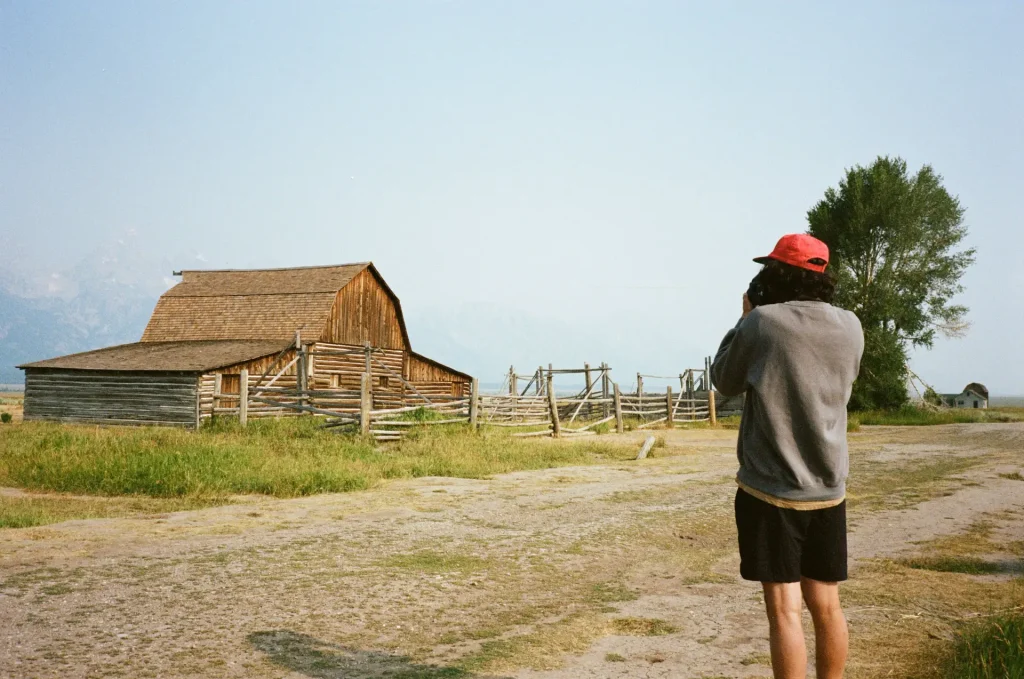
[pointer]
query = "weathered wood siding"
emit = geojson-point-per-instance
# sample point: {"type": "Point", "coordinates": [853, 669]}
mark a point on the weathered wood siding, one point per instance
{"type": "Point", "coordinates": [343, 370]}
{"type": "Point", "coordinates": [111, 397]}
{"type": "Point", "coordinates": [363, 311]}
{"type": "Point", "coordinates": [431, 379]}
{"type": "Point", "coordinates": [230, 385]}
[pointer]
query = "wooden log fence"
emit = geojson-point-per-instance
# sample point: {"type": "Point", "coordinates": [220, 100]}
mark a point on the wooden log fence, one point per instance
{"type": "Point", "coordinates": [386, 416]}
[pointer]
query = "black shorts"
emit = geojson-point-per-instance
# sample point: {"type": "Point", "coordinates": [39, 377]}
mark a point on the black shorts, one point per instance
{"type": "Point", "coordinates": [781, 545]}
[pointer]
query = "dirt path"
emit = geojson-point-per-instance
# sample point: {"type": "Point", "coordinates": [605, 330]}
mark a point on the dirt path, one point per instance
{"type": "Point", "coordinates": [555, 570]}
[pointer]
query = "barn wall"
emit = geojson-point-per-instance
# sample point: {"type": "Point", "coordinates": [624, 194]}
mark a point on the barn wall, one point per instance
{"type": "Point", "coordinates": [432, 379]}
{"type": "Point", "coordinates": [111, 397]}
{"type": "Point", "coordinates": [363, 311]}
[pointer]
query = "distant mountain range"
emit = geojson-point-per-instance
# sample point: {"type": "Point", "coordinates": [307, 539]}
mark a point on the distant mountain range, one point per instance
{"type": "Point", "coordinates": [103, 299]}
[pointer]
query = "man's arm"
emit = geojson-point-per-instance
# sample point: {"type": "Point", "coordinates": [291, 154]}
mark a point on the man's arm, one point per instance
{"type": "Point", "coordinates": [732, 362]}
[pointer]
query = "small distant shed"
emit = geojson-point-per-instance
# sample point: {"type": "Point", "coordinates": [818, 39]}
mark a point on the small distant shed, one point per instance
{"type": "Point", "coordinates": [215, 326]}
{"type": "Point", "coordinates": [974, 395]}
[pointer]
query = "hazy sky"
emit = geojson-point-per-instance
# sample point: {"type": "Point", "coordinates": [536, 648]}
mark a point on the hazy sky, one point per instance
{"type": "Point", "coordinates": [609, 166]}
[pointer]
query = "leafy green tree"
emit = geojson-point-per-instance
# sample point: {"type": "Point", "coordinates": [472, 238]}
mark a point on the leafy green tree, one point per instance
{"type": "Point", "coordinates": [932, 397]}
{"type": "Point", "coordinates": [895, 245]}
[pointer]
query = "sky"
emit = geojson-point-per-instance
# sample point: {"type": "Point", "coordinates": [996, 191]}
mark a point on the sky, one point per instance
{"type": "Point", "coordinates": [539, 182]}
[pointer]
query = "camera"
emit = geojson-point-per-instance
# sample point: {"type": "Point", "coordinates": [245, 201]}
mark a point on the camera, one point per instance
{"type": "Point", "coordinates": [756, 290]}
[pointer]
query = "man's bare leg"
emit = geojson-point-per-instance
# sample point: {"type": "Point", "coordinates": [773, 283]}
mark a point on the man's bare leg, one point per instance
{"type": "Point", "coordinates": [831, 637]}
{"type": "Point", "coordinates": [783, 603]}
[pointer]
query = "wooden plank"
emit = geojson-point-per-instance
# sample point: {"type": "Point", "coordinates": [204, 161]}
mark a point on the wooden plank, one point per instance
{"type": "Point", "coordinates": [619, 426]}
{"type": "Point", "coordinates": [365, 405]}
{"type": "Point", "coordinates": [217, 382]}
{"type": "Point", "coordinates": [555, 425]}
{"type": "Point", "coordinates": [243, 399]}
{"type": "Point", "coordinates": [645, 448]}
{"type": "Point", "coordinates": [651, 423]}
{"type": "Point", "coordinates": [474, 403]}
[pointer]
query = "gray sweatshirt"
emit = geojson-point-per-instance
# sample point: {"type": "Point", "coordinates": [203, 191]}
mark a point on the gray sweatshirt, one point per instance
{"type": "Point", "coordinates": [796, 362]}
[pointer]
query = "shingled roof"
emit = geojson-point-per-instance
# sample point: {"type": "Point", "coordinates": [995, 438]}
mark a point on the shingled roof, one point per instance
{"type": "Point", "coordinates": [249, 304]}
{"type": "Point", "coordinates": [166, 356]}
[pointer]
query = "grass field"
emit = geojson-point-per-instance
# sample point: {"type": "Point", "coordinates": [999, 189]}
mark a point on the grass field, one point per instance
{"type": "Point", "coordinates": [911, 416]}
{"type": "Point", "coordinates": [282, 458]}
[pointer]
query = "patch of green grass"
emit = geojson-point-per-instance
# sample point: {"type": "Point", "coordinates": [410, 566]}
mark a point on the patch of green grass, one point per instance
{"type": "Point", "coordinates": [1015, 476]}
{"type": "Point", "coordinates": [611, 592]}
{"type": "Point", "coordinates": [436, 562]}
{"type": "Point", "coordinates": [730, 422]}
{"type": "Point", "coordinates": [993, 649]}
{"type": "Point", "coordinates": [614, 657]}
{"type": "Point", "coordinates": [913, 416]}
{"type": "Point", "coordinates": [543, 648]}
{"type": "Point", "coordinates": [757, 659]}
{"type": "Point", "coordinates": [642, 627]}
{"type": "Point", "coordinates": [285, 457]}
{"type": "Point", "coordinates": [952, 564]}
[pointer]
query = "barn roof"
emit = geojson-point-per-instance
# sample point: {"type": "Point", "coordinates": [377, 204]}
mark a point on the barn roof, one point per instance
{"type": "Point", "coordinates": [166, 356]}
{"type": "Point", "coordinates": [978, 388]}
{"type": "Point", "coordinates": [250, 304]}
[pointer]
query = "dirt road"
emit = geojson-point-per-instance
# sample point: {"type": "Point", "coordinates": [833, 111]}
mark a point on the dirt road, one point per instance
{"type": "Point", "coordinates": [617, 570]}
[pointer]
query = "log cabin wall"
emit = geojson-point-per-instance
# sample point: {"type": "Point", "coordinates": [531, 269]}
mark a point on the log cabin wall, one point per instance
{"type": "Point", "coordinates": [365, 311]}
{"type": "Point", "coordinates": [230, 385]}
{"type": "Point", "coordinates": [433, 379]}
{"type": "Point", "coordinates": [343, 370]}
{"type": "Point", "coordinates": [110, 397]}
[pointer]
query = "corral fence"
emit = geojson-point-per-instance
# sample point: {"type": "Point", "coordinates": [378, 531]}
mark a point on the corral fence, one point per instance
{"type": "Point", "coordinates": [536, 408]}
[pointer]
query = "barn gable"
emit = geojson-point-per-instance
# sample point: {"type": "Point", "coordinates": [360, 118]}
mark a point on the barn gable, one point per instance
{"type": "Point", "coordinates": [366, 310]}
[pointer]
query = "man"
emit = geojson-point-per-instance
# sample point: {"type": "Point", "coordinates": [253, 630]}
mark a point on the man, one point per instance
{"type": "Point", "coordinates": [795, 356]}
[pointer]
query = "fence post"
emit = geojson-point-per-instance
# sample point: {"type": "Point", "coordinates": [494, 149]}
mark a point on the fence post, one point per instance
{"type": "Point", "coordinates": [474, 402]}
{"type": "Point", "coordinates": [540, 378]}
{"type": "Point", "coordinates": [218, 384]}
{"type": "Point", "coordinates": [556, 427]}
{"type": "Point", "coordinates": [243, 397]}
{"type": "Point", "coordinates": [618, 408]}
{"type": "Point", "coordinates": [301, 376]}
{"type": "Point", "coordinates": [668, 403]}
{"type": "Point", "coordinates": [589, 385]}
{"type": "Point", "coordinates": [712, 416]}
{"type": "Point", "coordinates": [365, 404]}
{"type": "Point", "coordinates": [605, 391]}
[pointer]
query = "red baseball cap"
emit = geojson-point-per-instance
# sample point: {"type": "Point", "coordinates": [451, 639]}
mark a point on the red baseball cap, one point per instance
{"type": "Point", "coordinates": [799, 249]}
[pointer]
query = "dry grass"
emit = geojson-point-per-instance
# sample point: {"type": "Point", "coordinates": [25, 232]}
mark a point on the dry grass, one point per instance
{"type": "Point", "coordinates": [918, 605]}
{"type": "Point", "coordinates": [39, 510]}
{"type": "Point", "coordinates": [642, 627]}
{"type": "Point", "coordinates": [893, 485]}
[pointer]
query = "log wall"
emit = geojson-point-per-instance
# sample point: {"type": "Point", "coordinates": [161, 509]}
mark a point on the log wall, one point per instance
{"type": "Point", "coordinates": [103, 397]}
{"type": "Point", "coordinates": [344, 371]}
{"type": "Point", "coordinates": [433, 379]}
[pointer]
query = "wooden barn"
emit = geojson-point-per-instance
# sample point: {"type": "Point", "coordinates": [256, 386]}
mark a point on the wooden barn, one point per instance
{"type": "Point", "coordinates": [313, 330]}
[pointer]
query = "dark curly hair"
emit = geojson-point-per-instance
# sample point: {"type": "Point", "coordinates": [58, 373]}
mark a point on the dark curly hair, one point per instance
{"type": "Point", "coordinates": [781, 282]}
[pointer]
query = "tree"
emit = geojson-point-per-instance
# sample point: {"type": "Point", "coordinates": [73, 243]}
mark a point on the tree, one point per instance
{"type": "Point", "coordinates": [894, 241]}
{"type": "Point", "coordinates": [932, 397]}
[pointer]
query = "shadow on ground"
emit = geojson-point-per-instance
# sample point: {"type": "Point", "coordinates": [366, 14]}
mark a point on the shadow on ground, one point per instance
{"type": "Point", "coordinates": [319, 659]}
